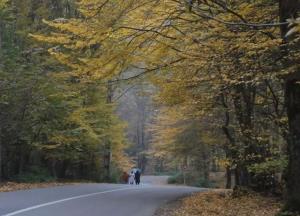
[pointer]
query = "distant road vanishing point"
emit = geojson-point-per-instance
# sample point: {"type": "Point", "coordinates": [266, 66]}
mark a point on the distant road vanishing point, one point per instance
{"type": "Point", "coordinates": [93, 199]}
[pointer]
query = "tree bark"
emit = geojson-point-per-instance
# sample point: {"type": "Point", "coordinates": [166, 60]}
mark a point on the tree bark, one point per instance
{"type": "Point", "coordinates": [1, 27]}
{"type": "Point", "coordinates": [290, 9]}
{"type": "Point", "coordinates": [0, 159]}
{"type": "Point", "coordinates": [231, 139]}
{"type": "Point", "coordinates": [108, 153]}
{"type": "Point", "coordinates": [237, 176]}
{"type": "Point", "coordinates": [293, 170]}
{"type": "Point", "coordinates": [243, 102]}
{"type": "Point", "coordinates": [228, 177]}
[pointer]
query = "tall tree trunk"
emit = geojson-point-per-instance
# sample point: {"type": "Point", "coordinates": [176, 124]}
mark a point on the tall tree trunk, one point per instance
{"type": "Point", "coordinates": [1, 175]}
{"type": "Point", "coordinates": [228, 177]}
{"type": "Point", "coordinates": [244, 98]}
{"type": "Point", "coordinates": [206, 165]}
{"type": "Point", "coordinates": [293, 171]}
{"type": "Point", "coordinates": [108, 153]}
{"type": "Point", "coordinates": [228, 148]}
{"type": "Point", "coordinates": [237, 176]}
{"type": "Point", "coordinates": [0, 159]}
{"type": "Point", "coordinates": [53, 168]}
{"type": "Point", "coordinates": [289, 9]}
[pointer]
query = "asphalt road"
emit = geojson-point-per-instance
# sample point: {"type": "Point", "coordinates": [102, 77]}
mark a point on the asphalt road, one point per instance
{"type": "Point", "coordinates": [92, 199]}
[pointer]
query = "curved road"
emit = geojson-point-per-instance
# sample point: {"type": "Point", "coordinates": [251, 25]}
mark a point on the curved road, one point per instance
{"type": "Point", "coordinates": [92, 199]}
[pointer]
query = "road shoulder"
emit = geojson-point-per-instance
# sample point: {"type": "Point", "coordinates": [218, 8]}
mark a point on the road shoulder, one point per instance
{"type": "Point", "coordinates": [170, 208]}
{"type": "Point", "coordinates": [13, 186]}
{"type": "Point", "coordinates": [221, 203]}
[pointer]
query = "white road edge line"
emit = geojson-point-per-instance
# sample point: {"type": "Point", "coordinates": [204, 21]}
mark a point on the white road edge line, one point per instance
{"type": "Point", "coordinates": [64, 200]}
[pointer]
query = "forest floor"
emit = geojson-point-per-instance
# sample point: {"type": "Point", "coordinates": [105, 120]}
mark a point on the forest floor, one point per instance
{"type": "Point", "coordinates": [13, 186]}
{"type": "Point", "coordinates": [222, 203]}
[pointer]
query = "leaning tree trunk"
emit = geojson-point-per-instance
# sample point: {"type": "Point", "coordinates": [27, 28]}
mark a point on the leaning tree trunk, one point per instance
{"type": "Point", "coordinates": [288, 9]}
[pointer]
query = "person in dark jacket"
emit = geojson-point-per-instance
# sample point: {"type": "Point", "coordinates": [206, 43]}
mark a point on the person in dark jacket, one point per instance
{"type": "Point", "coordinates": [137, 176]}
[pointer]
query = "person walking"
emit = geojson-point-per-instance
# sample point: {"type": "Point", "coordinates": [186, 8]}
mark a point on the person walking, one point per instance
{"type": "Point", "coordinates": [124, 178]}
{"type": "Point", "coordinates": [131, 178]}
{"type": "Point", "coordinates": [137, 177]}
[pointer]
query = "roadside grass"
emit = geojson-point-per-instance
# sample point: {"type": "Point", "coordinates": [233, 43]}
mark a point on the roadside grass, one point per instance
{"type": "Point", "coordinates": [223, 203]}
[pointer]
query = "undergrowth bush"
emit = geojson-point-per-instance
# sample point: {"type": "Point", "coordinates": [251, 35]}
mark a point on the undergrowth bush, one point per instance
{"type": "Point", "coordinates": [35, 174]}
{"type": "Point", "coordinates": [191, 179]}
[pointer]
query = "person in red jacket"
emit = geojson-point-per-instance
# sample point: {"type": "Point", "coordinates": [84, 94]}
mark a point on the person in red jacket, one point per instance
{"type": "Point", "coordinates": [125, 177]}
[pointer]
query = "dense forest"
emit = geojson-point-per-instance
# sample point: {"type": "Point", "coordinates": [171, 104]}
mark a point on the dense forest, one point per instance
{"type": "Point", "coordinates": [53, 125]}
{"type": "Point", "coordinates": [223, 76]}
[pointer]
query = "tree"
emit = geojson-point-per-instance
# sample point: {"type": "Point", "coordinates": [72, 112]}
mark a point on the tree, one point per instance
{"type": "Point", "coordinates": [288, 10]}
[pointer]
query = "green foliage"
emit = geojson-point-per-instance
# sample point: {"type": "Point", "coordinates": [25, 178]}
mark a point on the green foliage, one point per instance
{"type": "Point", "coordinates": [287, 213]}
{"type": "Point", "coordinates": [191, 179]}
{"type": "Point", "coordinates": [116, 173]}
{"type": "Point", "coordinates": [270, 166]}
{"type": "Point", "coordinates": [205, 183]}
{"type": "Point", "coordinates": [35, 174]}
{"type": "Point", "coordinates": [176, 179]}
